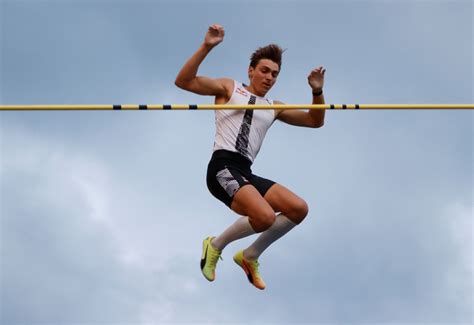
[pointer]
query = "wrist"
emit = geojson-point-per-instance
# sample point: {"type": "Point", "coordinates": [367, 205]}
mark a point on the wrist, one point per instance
{"type": "Point", "coordinates": [208, 47]}
{"type": "Point", "coordinates": [211, 44]}
{"type": "Point", "coordinates": [317, 92]}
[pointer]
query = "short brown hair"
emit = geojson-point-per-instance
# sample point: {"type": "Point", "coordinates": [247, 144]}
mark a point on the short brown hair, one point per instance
{"type": "Point", "coordinates": [271, 52]}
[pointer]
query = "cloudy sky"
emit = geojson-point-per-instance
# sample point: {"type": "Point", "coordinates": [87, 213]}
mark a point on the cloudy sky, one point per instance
{"type": "Point", "coordinates": [103, 213]}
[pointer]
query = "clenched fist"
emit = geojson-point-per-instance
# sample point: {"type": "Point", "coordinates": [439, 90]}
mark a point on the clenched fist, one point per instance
{"type": "Point", "coordinates": [214, 35]}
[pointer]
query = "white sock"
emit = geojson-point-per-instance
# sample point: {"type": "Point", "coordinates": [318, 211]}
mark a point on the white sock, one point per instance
{"type": "Point", "coordinates": [239, 229]}
{"type": "Point", "coordinates": [280, 227]}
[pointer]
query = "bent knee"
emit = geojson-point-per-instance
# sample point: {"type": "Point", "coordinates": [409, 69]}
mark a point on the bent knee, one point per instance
{"type": "Point", "coordinates": [298, 211]}
{"type": "Point", "coordinates": [262, 221]}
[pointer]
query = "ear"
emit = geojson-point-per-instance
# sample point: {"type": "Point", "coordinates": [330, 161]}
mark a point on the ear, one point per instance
{"type": "Point", "coordinates": [250, 72]}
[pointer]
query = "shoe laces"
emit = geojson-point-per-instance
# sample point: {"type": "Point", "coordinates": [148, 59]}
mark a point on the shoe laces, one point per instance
{"type": "Point", "coordinates": [214, 255]}
{"type": "Point", "coordinates": [255, 266]}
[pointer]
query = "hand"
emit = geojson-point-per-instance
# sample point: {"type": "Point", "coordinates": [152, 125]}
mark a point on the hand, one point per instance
{"type": "Point", "coordinates": [316, 79]}
{"type": "Point", "coordinates": [214, 35]}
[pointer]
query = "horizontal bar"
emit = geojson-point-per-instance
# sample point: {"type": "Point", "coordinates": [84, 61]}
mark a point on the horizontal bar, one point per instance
{"type": "Point", "coordinates": [230, 107]}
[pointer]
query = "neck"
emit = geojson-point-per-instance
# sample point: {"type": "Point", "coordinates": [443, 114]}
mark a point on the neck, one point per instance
{"type": "Point", "coordinates": [254, 91]}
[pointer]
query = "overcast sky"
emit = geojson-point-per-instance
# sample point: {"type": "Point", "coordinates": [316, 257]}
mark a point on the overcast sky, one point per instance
{"type": "Point", "coordinates": [103, 213]}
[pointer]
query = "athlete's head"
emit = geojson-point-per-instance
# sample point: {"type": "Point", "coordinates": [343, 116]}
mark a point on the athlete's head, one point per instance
{"type": "Point", "coordinates": [264, 68]}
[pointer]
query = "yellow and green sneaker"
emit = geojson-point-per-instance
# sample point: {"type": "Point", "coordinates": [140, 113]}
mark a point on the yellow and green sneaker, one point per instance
{"type": "Point", "coordinates": [209, 258]}
{"type": "Point", "coordinates": [250, 269]}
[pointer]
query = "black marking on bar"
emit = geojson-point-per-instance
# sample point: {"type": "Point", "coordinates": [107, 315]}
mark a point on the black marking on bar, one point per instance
{"type": "Point", "coordinates": [117, 107]}
{"type": "Point", "coordinates": [344, 106]}
{"type": "Point", "coordinates": [142, 106]}
{"type": "Point", "coordinates": [357, 106]}
{"type": "Point", "coordinates": [193, 107]}
{"type": "Point", "coordinates": [332, 107]}
{"type": "Point", "coordinates": [166, 106]}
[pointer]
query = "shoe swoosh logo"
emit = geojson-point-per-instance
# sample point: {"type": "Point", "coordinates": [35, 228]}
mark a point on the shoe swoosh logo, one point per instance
{"type": "Point", "coordinates": [203, 260]}
{"type": "Point", "coordinates": [247, 269]}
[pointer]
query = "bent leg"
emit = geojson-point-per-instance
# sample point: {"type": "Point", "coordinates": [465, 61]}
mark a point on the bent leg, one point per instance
{"type": "Point", "coordinates": [293, 210]}
{"type": "Point", "coordinates": [285, 201]}
{"type": "Point", "coordinates": [249, 202]}
{"type": "Point", "coordinates": [239, 229]}
{"type": "Point", "coordinates": [257, 216]}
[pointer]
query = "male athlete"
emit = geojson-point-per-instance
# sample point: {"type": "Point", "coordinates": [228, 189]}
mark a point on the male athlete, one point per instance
{"type": "Point", "coordinates": [264, 206]}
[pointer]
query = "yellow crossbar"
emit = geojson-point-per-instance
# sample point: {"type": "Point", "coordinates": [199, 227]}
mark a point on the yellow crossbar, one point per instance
{"type": "Point", "coordinates": [231, 107]}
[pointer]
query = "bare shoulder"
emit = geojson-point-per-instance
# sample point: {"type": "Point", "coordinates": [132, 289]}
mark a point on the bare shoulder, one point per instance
{"type": "Point", "coordinates": [227, 84]}
{"type": "Point", "coordinates": [278, 111]}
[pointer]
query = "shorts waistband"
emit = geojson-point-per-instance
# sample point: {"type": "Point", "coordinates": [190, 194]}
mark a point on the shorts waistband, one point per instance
{"type": "Point", "coordinates": [234, 156]}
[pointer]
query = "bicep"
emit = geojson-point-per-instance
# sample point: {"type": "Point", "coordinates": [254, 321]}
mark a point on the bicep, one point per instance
{"type": "Point", "coordinates": [294, 117]}
{"type": "Point", "coordinates": [209, 87]}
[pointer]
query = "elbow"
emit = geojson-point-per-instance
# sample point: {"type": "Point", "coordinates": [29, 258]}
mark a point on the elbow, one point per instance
{"type": "Point", "coordinates": [314, 121]}
{"type": "Point", "coordinates": [179, 83]}
{"type": "Point", "coordinates": [183, 83]}
{"type": "Point", "coordinates": [317, 124]}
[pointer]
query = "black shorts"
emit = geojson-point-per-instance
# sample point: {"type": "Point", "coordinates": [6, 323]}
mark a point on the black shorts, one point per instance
{"type": "Point", "coordinates": [228, 171]}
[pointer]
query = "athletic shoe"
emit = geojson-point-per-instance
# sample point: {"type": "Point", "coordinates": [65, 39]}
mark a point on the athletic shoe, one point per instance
{"type": "Point", "coordinates": [209, 258]}
{"type": "Point", "coordinates": [250, 269]}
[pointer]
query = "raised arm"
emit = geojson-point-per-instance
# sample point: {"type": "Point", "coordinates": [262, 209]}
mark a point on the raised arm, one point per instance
{"type": "Point", "coordinates": [187, 78]}
{"type": "Point", "coordinates": [313, 118]}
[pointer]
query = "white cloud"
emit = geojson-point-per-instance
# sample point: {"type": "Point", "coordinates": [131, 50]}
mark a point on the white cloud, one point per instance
{"type": "Point", "coordinates": [98, 233]}
{"type": "Point", "coordinates": [459, 218]}
{"type": "Point", "coordinates": [88, 201]}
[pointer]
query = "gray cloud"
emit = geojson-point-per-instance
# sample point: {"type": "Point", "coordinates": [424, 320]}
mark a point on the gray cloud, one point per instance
{"type": "Point", "coordinates": [109, 208]}
{"type": "Point", "coordinates": [383, 246]}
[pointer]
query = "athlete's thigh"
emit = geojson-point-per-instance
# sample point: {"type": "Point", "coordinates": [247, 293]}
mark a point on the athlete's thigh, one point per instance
{"type": "Point", "coordinates": [283, 200]}
{"type": "Point", "coordinates": [249, 202]}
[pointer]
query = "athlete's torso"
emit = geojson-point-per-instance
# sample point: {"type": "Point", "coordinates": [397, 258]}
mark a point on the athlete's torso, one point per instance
{"type": "Point", "coordinates": [241, 130]}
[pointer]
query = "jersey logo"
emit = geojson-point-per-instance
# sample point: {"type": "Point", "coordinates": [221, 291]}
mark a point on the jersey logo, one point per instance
{"type": "Point", "coordinates": [242, 92]}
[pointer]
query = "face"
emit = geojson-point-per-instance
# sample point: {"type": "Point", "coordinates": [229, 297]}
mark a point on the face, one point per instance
{"type": "Point", "coordinates": [263, 76]}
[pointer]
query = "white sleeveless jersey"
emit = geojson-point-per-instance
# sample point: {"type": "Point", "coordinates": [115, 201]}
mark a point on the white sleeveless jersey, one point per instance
{"type": "Point", "coordinates": [241, 130]}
